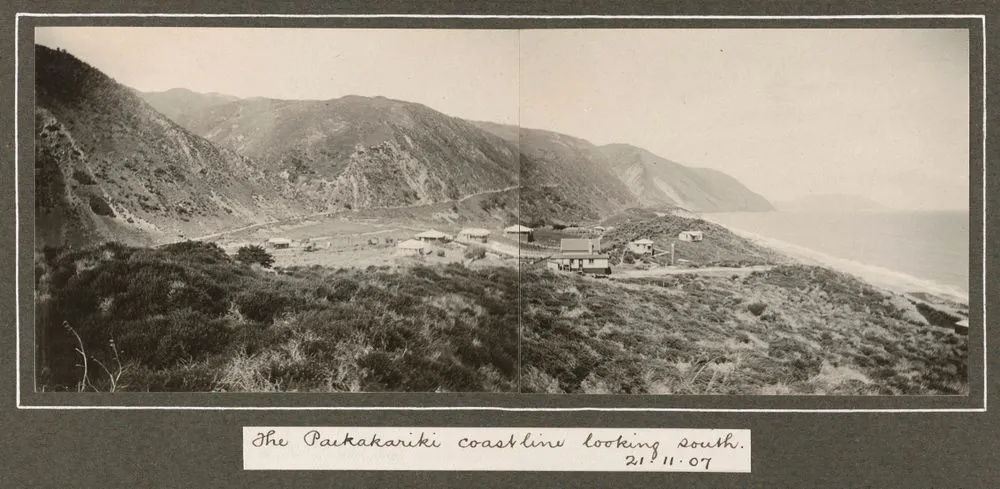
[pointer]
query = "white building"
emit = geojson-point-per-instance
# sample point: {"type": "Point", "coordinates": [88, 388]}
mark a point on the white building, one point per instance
{"type": "Point", "coordinates": [279, 242]}
{"type": "Point", "coordinates": [476, 235]}
{"type": "Point", "coordinates": [433, 235]}
{"type": "Point", "coordinates": [412, 247]}
{"type": "Point", "coordinates": [518, 232]}
{"type": "Point", "coordinates": [580, 255]}
{"type": "Point", "coordinates": [641, 246]}
{"type": "Point", "coordinates": [691, 236]}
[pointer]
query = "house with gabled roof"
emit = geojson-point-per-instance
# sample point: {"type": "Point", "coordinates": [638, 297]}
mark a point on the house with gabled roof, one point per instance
{"type": "Point", "coordinates": [581, 255]}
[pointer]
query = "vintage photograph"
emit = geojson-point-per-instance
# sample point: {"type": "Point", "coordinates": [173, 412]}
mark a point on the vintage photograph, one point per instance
{"type": "Point", "coordinates": [561, 211]}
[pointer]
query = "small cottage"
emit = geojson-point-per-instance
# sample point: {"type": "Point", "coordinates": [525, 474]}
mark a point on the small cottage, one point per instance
{"type": "Point", "coordinates": [474, 235]}
{"type": "Point", "coordinates": [520, 233]}
{"type": "Point", "coordinates": [641, 246]}
{"type": "Point", "coordinates": [412, 247]}
{"type": "Point", "coordinates": [691, 236]}
{"type": "Point", "coordinates": [278, 243]}
{"type": "Point", "coordinates": [432, 236]}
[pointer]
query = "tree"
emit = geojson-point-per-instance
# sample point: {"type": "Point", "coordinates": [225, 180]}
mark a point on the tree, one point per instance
{"type": "Point", "coordinates": [255, 254]}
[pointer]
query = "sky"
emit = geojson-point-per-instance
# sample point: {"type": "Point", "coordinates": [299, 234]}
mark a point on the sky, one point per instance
{"type": "Point", "coordinates": [881, 113]}
{"type": "Point", "coordinates": [464, 73]}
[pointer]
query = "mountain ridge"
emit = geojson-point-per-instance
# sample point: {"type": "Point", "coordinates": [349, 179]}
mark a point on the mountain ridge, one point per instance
{"type": "Point", "coordinates": [109, 166]}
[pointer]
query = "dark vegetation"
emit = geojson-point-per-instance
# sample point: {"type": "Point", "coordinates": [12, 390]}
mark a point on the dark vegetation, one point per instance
{"type": "Point", "coordinates": [254, 254]}
{"type": "Point", "coordinates": [792, 330]}
{"type": "Point", "coordinates": [187, 317]}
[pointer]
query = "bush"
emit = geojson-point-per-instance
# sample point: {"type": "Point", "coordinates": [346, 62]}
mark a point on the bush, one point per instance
{"type": "Point", "coordinates": [757, 308]}
{"type": "Point", "coordinates": [440, 252]}
{"type": "Point", "coordinates": [255, 254]}
{"type": "Point", "coordinates": [101, 207]}
{"type": "Point", "coordinates": [264, 305]}
{"type": "Point", "coordinates": [83, 177]}
{"type": "Point", "coordinates": [475, 252]}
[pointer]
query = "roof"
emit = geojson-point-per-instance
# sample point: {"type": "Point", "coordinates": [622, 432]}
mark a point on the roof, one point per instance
{"type": "Point", "coordinates": [279, 241]}
{"type": "Point", "coordinates": [691, 232]}
{"type": "Point", "coordinates": [433, 234]}
{"type": "Point", "coordinates": [412, 244]}
{"type": "Point", "coordinates": [579, 245]}
{"type": "Point", "coordinates": [517, 228]}
{"type": "Point", "coordinates": [964, 322]}
{"type": "Point", "coordinates": [474, 232]}
{"type": "Point", "coordinates": [643, 241]}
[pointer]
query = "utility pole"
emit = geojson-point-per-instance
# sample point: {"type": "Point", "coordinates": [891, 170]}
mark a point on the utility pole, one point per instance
{"type": "Point", "coordinates": [671, 254]}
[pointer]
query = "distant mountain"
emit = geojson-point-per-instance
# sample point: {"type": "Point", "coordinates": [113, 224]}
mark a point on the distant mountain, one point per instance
{"type": "Point", "coordinates": [370, 152]}
{"type": "Point", "coordinates": [109, 166]}
{"type": "Point", "coordinates": [626, 176]}
{"type": "Point", "coordinates": [655, 180]}
{"type": "Point", "coordinates": [176, 101]}
{"type": "Point", "coordinates": [831, 203]}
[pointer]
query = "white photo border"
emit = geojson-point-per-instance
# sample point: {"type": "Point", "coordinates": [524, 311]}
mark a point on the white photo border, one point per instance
{"type": "Point", "coordinates": [17, 213]}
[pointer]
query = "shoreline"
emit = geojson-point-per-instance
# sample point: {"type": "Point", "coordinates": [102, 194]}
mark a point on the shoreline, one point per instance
{"type": "Point", "coordinates": [881, 277]}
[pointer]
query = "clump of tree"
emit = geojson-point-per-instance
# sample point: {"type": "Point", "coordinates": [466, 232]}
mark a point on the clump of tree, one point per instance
{"type": "Point", "coordinates": [475, 252]}
{"type": "Point", "coordinates": [255, 254]}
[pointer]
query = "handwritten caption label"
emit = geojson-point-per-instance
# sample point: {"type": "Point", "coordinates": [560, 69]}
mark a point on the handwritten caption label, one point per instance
{"type": "Point", "coordinates": [510, 449]}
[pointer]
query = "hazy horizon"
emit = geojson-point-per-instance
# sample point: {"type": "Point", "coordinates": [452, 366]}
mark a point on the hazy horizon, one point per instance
{"type": "Point", "coordinates": [878, 113]}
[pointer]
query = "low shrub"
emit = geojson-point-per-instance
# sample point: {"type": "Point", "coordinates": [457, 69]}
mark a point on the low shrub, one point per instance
{"type": "Point", "coordinates": [475, 252]}
{"type": "Point", "coordinates": [757, 308]}
{"type": "Point", "coordinates": [254, 254]}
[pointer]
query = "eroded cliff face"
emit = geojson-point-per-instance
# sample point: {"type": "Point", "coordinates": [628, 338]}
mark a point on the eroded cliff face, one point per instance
{"type": "Point", "coordinates": [109, 166]}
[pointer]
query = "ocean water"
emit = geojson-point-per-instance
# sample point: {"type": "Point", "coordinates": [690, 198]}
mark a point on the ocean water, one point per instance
{"type": "Point", "coordinates": [904, 250]}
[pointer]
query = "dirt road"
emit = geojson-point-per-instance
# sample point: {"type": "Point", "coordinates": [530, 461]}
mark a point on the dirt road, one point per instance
{"type": "Point", "coordinates": [715, 271]}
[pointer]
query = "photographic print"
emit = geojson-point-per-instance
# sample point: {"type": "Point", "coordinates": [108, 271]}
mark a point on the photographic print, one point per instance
{"type": "Point", "coordinates": [561, 211]}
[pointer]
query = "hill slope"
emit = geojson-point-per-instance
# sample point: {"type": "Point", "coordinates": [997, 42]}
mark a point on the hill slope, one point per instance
{"type": "Point", "coordinates": [657, 181]}
{"type": "Point", "coordinates": [360, 152]}
{"type": "Point", "coordinates": [109, 166]}
{"type": "Point", "coordinates": [628, 176]}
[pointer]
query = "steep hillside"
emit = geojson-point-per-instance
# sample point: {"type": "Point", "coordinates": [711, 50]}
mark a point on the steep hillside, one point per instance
{"type": "Point", "coordinates": [627, 175]}
{"type": "Point", "coordinates": [109, 166]}
{"type": "Point", "coordinates": [564, 173]}
{"type": "Point", "coordinates": [360, 152]}
{"type": "Point", "coordinates": [655, 180]}
{"type": "Point", "coordinates": [177, 101]}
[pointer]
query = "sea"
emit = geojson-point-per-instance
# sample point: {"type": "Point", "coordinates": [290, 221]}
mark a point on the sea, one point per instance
{"type": "Point", "coordinates": [907, 251]}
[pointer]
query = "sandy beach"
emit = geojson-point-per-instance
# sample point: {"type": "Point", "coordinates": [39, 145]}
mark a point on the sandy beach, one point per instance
{"type": "Point", "coordinates": [882, 277]}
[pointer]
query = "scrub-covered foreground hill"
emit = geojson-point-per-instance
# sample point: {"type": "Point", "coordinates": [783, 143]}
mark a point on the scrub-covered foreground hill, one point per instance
{"type": "Point", "coordinates": [187, 317]}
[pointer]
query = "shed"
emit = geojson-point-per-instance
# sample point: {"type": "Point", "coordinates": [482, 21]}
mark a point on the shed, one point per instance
{"type": "Point", "coordinates": [691, 236]}
{"type": "Point", "coordinates": [962, 327]}
{"type": "Point", "coordinates": [279, 242]}
{"type": "Point", "coordinates": [520, 233]}
{"type": "Point", "coordinates": [479, 235]}
{"type": "Point", "coordinates": [641, 246]}
{"type": "Point", "coordinates": [411, 247]}
{"type": "Point", "coordinates": [432, 235]}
